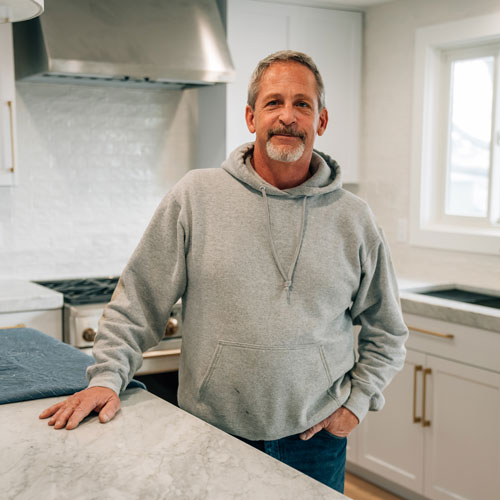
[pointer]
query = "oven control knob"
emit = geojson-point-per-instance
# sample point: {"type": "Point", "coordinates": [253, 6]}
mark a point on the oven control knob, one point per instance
{"type": "Point", "coordinates": [172, 327]}
{"type": "Point", "coordinates": [89, 334]}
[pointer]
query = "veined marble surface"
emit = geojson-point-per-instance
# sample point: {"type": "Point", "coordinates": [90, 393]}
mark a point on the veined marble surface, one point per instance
{"type": "Point", "coordinates": [20, 295]}
{"type": "Point", "coordinates": [485, 318]}
{"type": "Point", "coordinates": [150, 450]}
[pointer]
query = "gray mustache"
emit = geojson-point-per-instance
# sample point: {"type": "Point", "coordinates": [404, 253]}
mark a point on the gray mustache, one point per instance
{"type": "Point", "coordinates": [286, 131]}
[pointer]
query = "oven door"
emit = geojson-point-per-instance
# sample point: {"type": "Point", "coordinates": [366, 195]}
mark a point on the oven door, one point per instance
{"type": "Point", "coordinates": [160, 359]}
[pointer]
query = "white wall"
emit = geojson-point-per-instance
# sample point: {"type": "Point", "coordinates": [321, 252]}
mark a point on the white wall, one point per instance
{"type": "Point", "coordinates": [387, 131]}
{"type": "Point", "coordinates": [94, 163]}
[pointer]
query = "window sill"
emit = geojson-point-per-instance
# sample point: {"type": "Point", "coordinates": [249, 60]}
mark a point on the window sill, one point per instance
{"type": "Point", "coordinates": [462, 239]}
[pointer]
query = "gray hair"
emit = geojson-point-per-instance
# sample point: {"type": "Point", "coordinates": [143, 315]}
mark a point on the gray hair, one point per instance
{"type": "Point", "coordinates": [285, 56]}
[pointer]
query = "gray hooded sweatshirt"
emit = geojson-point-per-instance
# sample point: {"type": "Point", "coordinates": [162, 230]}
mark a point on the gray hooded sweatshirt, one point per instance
{"type": "Point", "coordinates": [271, 282]}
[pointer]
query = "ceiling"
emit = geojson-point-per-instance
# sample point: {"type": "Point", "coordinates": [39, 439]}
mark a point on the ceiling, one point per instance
{"type": "Point", "coordinates": [348, 4]}
{"type": "Point", "coordinates": [355, 3]}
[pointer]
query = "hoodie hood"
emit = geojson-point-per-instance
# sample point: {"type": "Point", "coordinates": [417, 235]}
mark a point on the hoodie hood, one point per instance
{"type": "Point", "coordinates": [325, 179]}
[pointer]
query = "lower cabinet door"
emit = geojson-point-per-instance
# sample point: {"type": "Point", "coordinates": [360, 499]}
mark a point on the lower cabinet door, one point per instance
{"type": "Point", "coordinates": [49, 321]}
{"type": "Point", "coordinates": [390, 443]}
{"type": "Point", "coordinates": [352, 446]}
{"type": "Point", "coordinates": [462, 442]}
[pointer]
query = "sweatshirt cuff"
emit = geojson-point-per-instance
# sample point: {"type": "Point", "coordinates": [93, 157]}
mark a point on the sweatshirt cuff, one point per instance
{"type": "Point", "coordinates": [109, 380]}
{"type": "Point", "coordinates": [358, 402]}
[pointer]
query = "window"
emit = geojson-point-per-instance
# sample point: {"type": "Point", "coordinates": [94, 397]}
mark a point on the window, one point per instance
{"type": "Point", "coordinates": [456, 168]}
{"type": "Point", "coordinates": [470, 94]}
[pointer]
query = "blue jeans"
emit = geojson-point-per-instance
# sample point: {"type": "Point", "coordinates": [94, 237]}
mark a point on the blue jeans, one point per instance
{"type": "Point", "coordinates": [322, 457]}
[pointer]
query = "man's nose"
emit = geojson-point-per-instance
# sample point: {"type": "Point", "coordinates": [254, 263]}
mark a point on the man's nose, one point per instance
{"type": "Point", "coordinates": [287, 114]}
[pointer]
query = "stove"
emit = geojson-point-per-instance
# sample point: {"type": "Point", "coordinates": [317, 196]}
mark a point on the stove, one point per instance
{"type": "Point", "coordinates": [84, 301]}
{"type": "Point", "coordinates": [85, 290]}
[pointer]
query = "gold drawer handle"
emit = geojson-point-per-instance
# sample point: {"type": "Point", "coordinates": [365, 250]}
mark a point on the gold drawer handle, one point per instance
{"type": "Point", "coordinates": [11, 117]}
{"type": "Point", "coordinates": [161, 354]}
{"type": "Point", "coordinates": [418, 368]}
{"type": "Point", "coordinates": [20, 325]}
{"type": "Point", "coordinates": [425, 423]}
{"type": "Point", "coordinates": [429, 332]}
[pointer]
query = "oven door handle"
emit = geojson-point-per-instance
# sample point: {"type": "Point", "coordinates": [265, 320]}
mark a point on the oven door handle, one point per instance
{"type": "Point", "coordinates": [161, 354]}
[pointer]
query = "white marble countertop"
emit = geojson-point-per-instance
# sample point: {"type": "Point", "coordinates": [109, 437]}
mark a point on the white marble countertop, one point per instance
{"type": "Point", "coordinates": [21, 295]}
{"type": "Point", "coordinates": [151, 449]}
{"type": "Point", "coordinates": [486, 318]}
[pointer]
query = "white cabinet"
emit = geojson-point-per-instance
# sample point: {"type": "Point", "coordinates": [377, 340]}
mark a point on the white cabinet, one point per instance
{"type": "Point", "coordinates": [7, 108]}
{"type": "Point", "coordinates": [439, 432]}
{"type": "Point", "coordinates": [389, 442]}
{"type": "Point", "coordinates": [331, 37]}
{"type": "Point", "coordinates": [23, 303]}
{"type": "Point", "coordinates": [462, 443]}
{"type": "Point", "coordinates": [47, 321]}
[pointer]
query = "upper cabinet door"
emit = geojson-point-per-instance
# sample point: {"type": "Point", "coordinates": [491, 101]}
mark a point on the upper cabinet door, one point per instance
{"type": "Point", "coordinates": [7, 108]}
{"type": "Point", "coordinates": [332, 38]}
{"type": "Point", "coordinates": [254, 30]}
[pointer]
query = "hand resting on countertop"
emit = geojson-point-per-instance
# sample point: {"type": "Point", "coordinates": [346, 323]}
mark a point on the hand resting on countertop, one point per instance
{"type": "Point", "coordinates": [70, 412]}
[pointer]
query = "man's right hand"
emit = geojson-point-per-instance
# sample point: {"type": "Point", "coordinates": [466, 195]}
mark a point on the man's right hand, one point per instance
{"type": "Point", "coordinates": [70, 412]}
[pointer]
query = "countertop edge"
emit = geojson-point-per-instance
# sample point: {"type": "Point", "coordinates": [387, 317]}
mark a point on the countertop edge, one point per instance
{"type": "Point", "coordinates": [24, 296]}
{"type": "Point", "coordinates": [481, 317]}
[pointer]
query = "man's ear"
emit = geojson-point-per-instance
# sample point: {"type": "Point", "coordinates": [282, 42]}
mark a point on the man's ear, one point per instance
{"type": "Point", "coordinates": [322, 122]}
{"type": "Point", "coordinates": [250, 119]}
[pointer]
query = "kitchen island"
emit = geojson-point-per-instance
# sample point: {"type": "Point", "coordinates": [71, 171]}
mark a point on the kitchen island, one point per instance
{"type": "Point", "coordinates": [150, 450]}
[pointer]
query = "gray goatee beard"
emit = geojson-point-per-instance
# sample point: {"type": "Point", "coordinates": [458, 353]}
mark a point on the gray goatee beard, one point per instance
{"type": "Point", "coordinates": [285, 153]}
{"type": "Point", "coordinates": [279, 153]}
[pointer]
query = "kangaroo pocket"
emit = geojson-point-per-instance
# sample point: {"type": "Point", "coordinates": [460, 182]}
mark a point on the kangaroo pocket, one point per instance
{"type": "Point", "coordinates": [261, 392]}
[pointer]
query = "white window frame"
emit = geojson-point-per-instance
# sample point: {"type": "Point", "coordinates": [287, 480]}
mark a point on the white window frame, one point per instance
{"type": "Point", "coordinates": [427, 227]}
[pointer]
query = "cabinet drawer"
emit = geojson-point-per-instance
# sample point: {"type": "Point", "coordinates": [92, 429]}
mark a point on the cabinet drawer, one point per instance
{"type": "Point", "coordinates": [49, 322]}
{"type": "Point", "coordinates": [452, 341]}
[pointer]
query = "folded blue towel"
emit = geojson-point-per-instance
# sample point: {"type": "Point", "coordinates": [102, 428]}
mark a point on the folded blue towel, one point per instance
{"type": "Point", "coordinates": [34, 365]}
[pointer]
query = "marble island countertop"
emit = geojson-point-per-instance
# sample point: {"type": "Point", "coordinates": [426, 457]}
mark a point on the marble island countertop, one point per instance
{"type": "Point", "coordinates": [150, 450]}
{"type": "Point", "coordinates": [412, 302]}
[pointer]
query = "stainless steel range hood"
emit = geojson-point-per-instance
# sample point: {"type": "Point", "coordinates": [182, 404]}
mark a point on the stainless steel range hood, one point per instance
{"type": "Point", "coordinates": [141, 43]}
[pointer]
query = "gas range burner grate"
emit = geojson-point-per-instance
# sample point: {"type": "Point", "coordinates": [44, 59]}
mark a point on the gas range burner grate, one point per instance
{"type": "Point", "coordinates": [84, 290]}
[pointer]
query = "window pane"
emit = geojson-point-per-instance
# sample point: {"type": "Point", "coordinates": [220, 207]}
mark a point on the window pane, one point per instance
{"type": "Point", "coordinates": [469, 137]}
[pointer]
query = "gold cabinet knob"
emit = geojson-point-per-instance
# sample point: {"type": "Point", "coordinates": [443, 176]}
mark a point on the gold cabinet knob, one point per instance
{"type": "Point", "coordinates": [89, 334]}
{"type": "Point", "coordinates": [172, 327]}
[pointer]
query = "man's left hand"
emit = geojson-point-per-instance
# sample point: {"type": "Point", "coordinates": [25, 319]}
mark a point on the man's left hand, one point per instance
{"type": "Point", "coordinates": [340, 423]}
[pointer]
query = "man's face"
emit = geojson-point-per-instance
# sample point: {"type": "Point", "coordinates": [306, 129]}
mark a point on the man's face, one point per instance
{"type": "Point", "coordinates": [286, 118]}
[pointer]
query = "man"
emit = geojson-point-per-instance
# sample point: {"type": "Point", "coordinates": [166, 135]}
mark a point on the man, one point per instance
{"type": "Point", "coordinates": [274, 262]}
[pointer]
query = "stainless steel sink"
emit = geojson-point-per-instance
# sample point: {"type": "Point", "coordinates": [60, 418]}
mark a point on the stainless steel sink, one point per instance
{"type": "Point", "coordinates": [462, 294]}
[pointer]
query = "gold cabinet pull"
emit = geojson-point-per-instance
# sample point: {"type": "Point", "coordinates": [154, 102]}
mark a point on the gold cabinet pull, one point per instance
{"type": "Point", "coordinates": [418, 368]}
{"type": "Point", "coordinates": [11, 118]}
{"type": "Point", "coordinates": [161, 354]}
{"type": "Point", "coordinates": [20, 325]}
{"type": "Point", "coordinates": [429, 332]}
{"type": "Point", "coordinates": [425, 423]}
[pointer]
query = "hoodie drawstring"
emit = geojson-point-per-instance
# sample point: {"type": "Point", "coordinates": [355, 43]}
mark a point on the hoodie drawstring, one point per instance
{"type": "Point", "coordinates": [287, 278]}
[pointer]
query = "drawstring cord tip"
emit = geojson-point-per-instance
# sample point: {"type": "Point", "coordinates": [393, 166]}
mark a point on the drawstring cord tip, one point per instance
{"type": "Point", "coordinates": [286, 286]}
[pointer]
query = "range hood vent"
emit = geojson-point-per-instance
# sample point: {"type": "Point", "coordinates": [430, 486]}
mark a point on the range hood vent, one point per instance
{"type": "Point", "coordinates": [137, 43]}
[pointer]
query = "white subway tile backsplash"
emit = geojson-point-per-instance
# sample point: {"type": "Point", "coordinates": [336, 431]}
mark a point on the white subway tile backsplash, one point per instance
{"type": "Point", "coordinates": [93, 165]}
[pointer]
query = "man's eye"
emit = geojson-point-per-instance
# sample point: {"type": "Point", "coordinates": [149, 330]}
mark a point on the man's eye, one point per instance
{"type": "Point", "coordinates": [303, 104]}
{"type": "Point", "coordinates": [272, 103]}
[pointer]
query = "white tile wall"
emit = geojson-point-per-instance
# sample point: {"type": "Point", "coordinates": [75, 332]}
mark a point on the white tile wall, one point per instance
{"type": "Point", "coordinates": [94, 163]}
